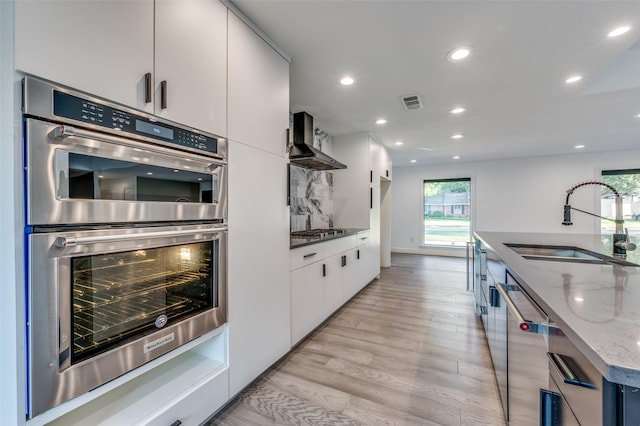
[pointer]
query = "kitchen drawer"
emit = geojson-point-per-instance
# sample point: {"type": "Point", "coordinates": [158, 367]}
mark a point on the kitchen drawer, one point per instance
{"type": "Point", "coordinates": [306, 255]}
{"type": "Point", "coordinates": [195, 405]}
{"type": "Point", "coordinates": [584, 391]}
{"type": "Point", "coordinates": [363, 237]}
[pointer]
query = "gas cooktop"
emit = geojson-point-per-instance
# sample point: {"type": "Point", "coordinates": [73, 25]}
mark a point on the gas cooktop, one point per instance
{"type": "Point", "coordinates": [318, 233]}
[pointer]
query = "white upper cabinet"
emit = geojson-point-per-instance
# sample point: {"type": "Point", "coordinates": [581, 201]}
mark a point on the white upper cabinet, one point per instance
{"type": "Point", "coordinates": [352, 186]}
{"type": "Point", "coordinates": [190, 58]}
{"type": "Point", "coordinates": [107, 47]}
{"type": "Point", "coordinates": [101, 47]}
{"type": "Point", "coordinates": [258, 87]}
{"type": "Point", "coordinates": [380, 162]}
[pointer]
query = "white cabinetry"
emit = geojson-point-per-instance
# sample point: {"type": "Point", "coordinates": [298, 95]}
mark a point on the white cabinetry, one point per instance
{"type": "Point", "coordinates": [107, 47]}
{"type": "Point", "coordinates": [191, 58]}
{"type": "Point", "coordinates": [307, 299]}
{"type": "Point", "coordinates": [380, 162]}
{"type": "Point", "coordinates": [101, 47]}
{"type": "Point", "coordinates": [323, 277]}
{"type": "Point", "coordinates": [259, 292]}
{"type": "Point", "coordinates": [351, 187]}
{"type": "Point", "coordinates": [258, 263]}
{"type": "Point", "coordinates": [258, 90]}
{"type": "Point", "coordinates": [167, 390]}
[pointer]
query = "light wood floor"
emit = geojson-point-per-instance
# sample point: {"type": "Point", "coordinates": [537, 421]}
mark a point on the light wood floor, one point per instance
{"type": "Point", "coordinates": [408, 350]}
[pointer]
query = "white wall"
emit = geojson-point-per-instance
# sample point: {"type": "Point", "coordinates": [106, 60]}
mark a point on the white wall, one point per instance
{"type": "Point", "coordinates": [11, 226]}
{"type": "Point", "coordinates": [522, 195]}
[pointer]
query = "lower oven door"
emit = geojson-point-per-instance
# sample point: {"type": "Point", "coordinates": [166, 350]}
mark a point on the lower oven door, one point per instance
{"type": "Point", "coordinates": [103, 302]}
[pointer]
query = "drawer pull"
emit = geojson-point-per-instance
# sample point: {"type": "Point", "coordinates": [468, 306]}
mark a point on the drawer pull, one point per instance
{"type": "Point", "coordinates": [562, 368]}
{"type": "Point", "coordinates": [306, 256]}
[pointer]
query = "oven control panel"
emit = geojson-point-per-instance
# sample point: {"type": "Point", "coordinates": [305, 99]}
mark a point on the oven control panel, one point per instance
{"type": "Point", "coordinates": [91, 112]}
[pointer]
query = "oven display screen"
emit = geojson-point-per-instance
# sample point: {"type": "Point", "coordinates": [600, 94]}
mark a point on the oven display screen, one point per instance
{"type": "Point", "coordinates": [154, 129]}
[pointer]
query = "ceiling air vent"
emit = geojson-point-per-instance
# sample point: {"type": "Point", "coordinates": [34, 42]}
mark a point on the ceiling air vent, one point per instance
{"type": "Point", "coordinates": [412, 102]}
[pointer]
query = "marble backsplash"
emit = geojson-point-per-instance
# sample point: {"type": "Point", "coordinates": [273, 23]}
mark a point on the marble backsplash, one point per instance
{"type": "Point", "coordinates": [311, 202]}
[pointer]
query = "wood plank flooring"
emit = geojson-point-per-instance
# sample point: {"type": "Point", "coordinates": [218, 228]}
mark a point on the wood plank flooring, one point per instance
{"type": "Point", "coordinates": [407, 350]}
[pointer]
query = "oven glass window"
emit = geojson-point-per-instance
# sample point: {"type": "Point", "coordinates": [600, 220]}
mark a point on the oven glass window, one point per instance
{"type": "Point", "coordinates": [117, 296]}
{"type": "Point", "coordinates": [97, 178]}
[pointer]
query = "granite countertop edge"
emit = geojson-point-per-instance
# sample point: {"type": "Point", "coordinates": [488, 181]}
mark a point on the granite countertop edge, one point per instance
{"type": "Point", "coordinates": [301, 242]}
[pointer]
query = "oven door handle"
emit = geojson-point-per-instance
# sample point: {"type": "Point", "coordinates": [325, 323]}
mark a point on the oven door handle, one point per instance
{"type": "Point", "coordinates": [63, 241]}
{"type": "Point", "coordinates": [64, 131]}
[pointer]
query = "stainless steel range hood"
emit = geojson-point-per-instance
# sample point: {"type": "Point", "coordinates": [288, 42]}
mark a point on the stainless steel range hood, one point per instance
{"type": "Point", "coordinates": [302, 153]}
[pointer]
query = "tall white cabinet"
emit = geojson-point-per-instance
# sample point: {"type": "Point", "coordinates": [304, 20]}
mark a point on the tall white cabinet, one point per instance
{"type": "Point", "coordinates": [259, 318]}
{"type": "Point", "coordinates": [361, 193]}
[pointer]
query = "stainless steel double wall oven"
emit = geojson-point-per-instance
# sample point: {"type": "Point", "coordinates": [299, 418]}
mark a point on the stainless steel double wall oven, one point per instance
{"type": "Point", "coordinates": [126, 239]}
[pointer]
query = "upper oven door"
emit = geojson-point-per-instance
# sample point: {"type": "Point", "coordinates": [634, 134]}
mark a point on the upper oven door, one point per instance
{"type": "Point", "coordinates": [78, 176]}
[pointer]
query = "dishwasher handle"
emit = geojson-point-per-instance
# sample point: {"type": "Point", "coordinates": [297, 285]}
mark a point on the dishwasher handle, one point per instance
{"type": "Point", "coordinates": [523, 323]}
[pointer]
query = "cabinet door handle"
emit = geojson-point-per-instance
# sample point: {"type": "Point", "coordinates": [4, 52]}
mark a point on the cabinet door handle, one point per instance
{"type": "Point", "coordinates": [344, 261]}
{"type": "Point", "coordinates": [358, 254]}
{"type": "Point", "coordinates": [324, 269]}
{"type": "Point", "coordinates": [550, 406]}
{"type": "Point", "coordinates": [163, 94]}
{"type": "Point", "coordinates": [387, 173]}
{"type": "Point", "coordinates": [306, 256]}
{"type": "Point", "coordinates": [371, 198]}
{"type": "Point", "coordinates": [147, 88]}
{"type": "Point", "coordinates": [370, 176]}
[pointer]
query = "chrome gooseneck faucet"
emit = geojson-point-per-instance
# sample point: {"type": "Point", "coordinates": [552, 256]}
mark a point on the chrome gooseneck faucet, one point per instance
{"type": "Point", "coordinates": [621, 241]}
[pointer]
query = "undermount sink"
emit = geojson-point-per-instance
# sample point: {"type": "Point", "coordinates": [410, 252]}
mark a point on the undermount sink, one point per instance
{"type": "Point", "coordinates": [565, 254]}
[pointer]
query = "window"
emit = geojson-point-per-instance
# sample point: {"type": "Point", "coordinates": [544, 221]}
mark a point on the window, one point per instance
{"type": "Point", "coordinates": [627, 182]}
{"type": "Point", "coordinates": [447, 212]}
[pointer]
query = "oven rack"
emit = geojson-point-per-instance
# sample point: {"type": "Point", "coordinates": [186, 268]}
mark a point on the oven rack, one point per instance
{"type": "Point", "coordinates": [115, 322]}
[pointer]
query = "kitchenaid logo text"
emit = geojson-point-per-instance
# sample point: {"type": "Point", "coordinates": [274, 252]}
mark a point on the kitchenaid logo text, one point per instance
{"type": "Point", "coordinates": [157, 343]}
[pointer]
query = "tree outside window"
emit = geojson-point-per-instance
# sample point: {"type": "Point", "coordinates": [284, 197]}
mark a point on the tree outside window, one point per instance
{"type": "Point", "coordinates": [627, 182]}
{"type": "Point", "coordinates": [447, 212]}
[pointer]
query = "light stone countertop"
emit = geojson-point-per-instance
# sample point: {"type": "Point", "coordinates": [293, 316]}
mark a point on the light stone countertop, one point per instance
{"type": "Point", "coordinates": [596, 306]}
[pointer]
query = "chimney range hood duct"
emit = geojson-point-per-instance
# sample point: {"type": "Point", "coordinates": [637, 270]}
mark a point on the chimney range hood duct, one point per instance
{"type": "Point", "coordinates": [302, 153]}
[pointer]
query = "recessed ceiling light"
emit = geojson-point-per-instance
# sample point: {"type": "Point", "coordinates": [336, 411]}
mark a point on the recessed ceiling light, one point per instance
{"type": "Point", "coordinates": [457, 136]}
{"type": "Point", "coordinates": [619, 31]}
{"type": "Point", "coordinates": [100, 176]}
{"type": "Point", "coordinates": [457, 110]}
{"type": "Point", "coordinates": [459, 54]}
{"type": "Point", "coordinates": [150, 173]}
{"type": "Point", "coordinates": [637, 116]}
{"type": "Point", "coordinates": [381, 121]}
{"type": "Point", "coordinates": [578, 299]}
{"type": "Point", "coordinates": [413, 161]}
{"type": "Point", "coordinates": [456, 157]}
{"type": "Point", "coordinates": [346, 81]}
{"type": "Point", "coordinates": [573, 79]}
{"type": "Point", "coordinates": [399, 143]}
{"type": "Point", "coordinates": [579, 146]}
{"type": "Point", "coordinates": [176, 171]}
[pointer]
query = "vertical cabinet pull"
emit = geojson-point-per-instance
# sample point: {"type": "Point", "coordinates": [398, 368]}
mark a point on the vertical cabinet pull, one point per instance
{"type": "Point", "coordinates": [163, 94]}
{"type": "Point", "coordinates": [371, 198]}
{"type": "Point", "coordinates": [147, 88]}
{"type": "Point", "coordinates": [324, 270]}
{"type": "Point", "coordinates": [358, 254]}
{"type": "Point", "coordinates": [370, 176]}
{"type": "Point", "coordinates": [387, 173]}
{"type": "Point", "coordinates": [550, 408]}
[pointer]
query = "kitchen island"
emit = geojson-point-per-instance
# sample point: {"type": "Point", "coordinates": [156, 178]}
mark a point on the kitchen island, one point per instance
{"type": "Point", "coordinates": [596, 305]}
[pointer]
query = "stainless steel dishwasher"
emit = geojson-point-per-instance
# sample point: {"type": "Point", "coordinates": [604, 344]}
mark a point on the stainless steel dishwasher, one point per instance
{"type": "Point", "coordinates": [528, 374]}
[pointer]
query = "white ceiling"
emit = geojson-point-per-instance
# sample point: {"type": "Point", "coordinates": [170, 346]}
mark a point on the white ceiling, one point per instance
{"type": "Point", "coordinates": [512, 84]}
